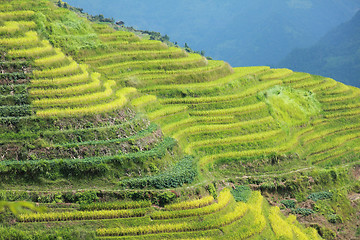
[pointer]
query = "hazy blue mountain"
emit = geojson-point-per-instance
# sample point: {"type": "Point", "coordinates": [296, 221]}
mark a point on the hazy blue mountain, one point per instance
{"type": "Point", "coordinates": [336, 55]}
{"type": "Point", "coordinates": [252, 32]}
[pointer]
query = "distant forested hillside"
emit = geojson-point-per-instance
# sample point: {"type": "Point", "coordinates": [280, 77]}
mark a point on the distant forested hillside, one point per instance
{"type": "Point", "coordinates": [336, 55]}
{"type": "Point", "coordinates": [243, 33]}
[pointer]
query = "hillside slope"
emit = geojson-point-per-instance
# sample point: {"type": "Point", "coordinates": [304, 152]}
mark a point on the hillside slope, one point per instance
{"type": "Point", "coordinates": [336, 55]}
{"type": "Point", "coordinates": [90, 114]}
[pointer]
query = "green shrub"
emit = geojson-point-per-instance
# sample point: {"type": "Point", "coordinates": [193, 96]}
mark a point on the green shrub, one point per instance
{"type": "Point", "coordinates": [288, 203]}
{"type": "Point", "coordinates": [241, 193]}
{"type": "Point", "coordinates": [303, 211]}
{"type": "Point", "coordinates": [183, 172]}
{"type": "Point", "coordinates": [320, 196]}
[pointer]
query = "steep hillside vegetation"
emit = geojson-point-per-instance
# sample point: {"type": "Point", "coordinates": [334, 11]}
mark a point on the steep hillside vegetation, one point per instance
{"type": "Point", "coordinates": [94, 120]}
{"type": "Point", "coordinates": [336, 55]}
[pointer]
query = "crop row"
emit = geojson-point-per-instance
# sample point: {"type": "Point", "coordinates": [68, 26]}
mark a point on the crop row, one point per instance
{"type": "Point", "coordinates": [297, 76]}
{"type": "Point", "coordinates": [13, 26]}
{"type": "Point", "coordinates": [81, 215]}
{"type": "Point", "coordinates": [330, 131]}
{"type": "Point", "coordinates": [15, 111]}
{"type": "Point", "coordinates": [16, 15]}
{"type": "Point", "coordinates": [44, 49]}
{"type": "Point", "coordinates": [221, 127]}
{"type": "Point", "coordinates": [99, 108]}
{"type": "Point", "coordinates": [185, 171]}
{"type": "Point", "coordinates": [223, 220]}
{"type": "Point", "coordinates": [77, 100]}
{"type": "Point", "coordinates": [30, 38]}
{"type": "Point", "coordinates": [14, 99]}
{"type": "Point", "coordinates": [169, 77]}
{"type": "Point", "coordinates": [140, 45]}
{"type": "Point", "coordinates": [340, 89]}
{"type": "Point", "coordinates": [58, 82]}
{"type": "Point", "coordinates": [306, 84]}
{"type": "Point", "coordinates": [191, 204]}
{"type": "Point", "coordinates": [248, 92]}
{"type": "Point", "coordinates": [13, 89]}
{"type": "Point", "coordinates": [291, 143]}
{"type": "Point", "coordinates": [336, 142]}
{"type": "Point", "coordinates": [328, 83]}
{"type": "Point", "coordinates": [253, 222]}
{"type": "Point", "coordinates": [70, 90]}
{"type": "Point", "coordinates": [350, 113]}
{"type": "Point", "coordinates": [230, 111]}
{"type": "Point", "coordinates": [135, 55]}
{"type": "Point", "coordinates": [173, 127]}
{"type": "Point", "coordinates": [223, 200]}
{"type": "Point", "coordinates": [342, 107]}
{"type": "Point", "coordinates": [92, 166]}
{"type": "Point", "coordinates": [238, 73]}
{"type": "Point", "coordinates": [280, 227]}
{"type": "Point", "coordinates": [59, 56]}
{"type": "Point", "coordinates": [143, 100]}
{"type": "Point", "coordinates": [232, 140]}
{"type": "Point", "coordinates": [354, 94]}
{"type": "Point", "coordinates": [153, 64]}
{"type": "Point", "coordinates": [115, 205]}
{"type": "Point", "coordinates": [165, 111]}
{"type": "Point", "coordinates": [142, 133]}
{"type": "Point", "coordinates": [72, 68]}
{"type": "Point", "coordinates": [276, 74]}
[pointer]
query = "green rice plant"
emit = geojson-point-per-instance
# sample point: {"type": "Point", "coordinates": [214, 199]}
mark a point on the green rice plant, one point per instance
{"type": "Point", "coordinates": [68, 91]}
{"type": "Point", "coordinates": [59, 56]}
{"type": "Point", "coordinates": [223, 199]}
{"type": "Point", "coordinates": [329, 131]}
{"type": "Point", "coordinates": [220, 127]}
{"type": "Point", "coordinates": [45, 48]}
{"type": "Point", "coordinates": [119, 102]}
{"type": "Point", "coordinates": [248, 92]}
{"type": "Point", "coordinates": [335, 143]}
{"type": "Point", "coordinates": [253, 222]}
{"type": "Point", "coordinates": [139, 45]}
{"type": "Point", "coordinates": [82, 215]}
{"type": "Point", "coordinates": [16, 15]}
{"type": "Point", "coordinates": [276, 74]}
{"type": "Point", "coordinates": [230, 111]}
{"type": "Point", "coordinates": [114, 205]}
{"type": "Point", "coordinates": [232, 140]}
{"type": "Point", "coordinates": [190, 121]}
{"type": "Point", "coordinates": [76, 100]}
{"type": "Point", "coordinates": [306, 84]}
{"type": "Point", "coordinates": [30, 38]}
{"type": "Point", "coordinates": [134, 54]}
{"type": "Point", "coordinates": [342, 107]}
{"type": "Point", "coordinates": [328, 83]}
{"type": "Point", "coordinates": [165, 111]}
{"type": "Point", "coordinates": [9, 27]}
{"type": "Point", "coordinates": [168, 76]}
{"type": "Point", "coordinates": [287, 146]}
{"type": "Point", "coordinates": [61, 81]}
{"type": "Point", "coordinates": [191, 204]}
{"type": "Point", "coordinates": [295, 77]}
{"type": "Point", "coordinates": [153, 64]}
{"type": "Point", "coordinates": [238, 73]}
{"type": "Point", "coordinates": [72, 68]}
{"type": "Point", "coordinates": [340, 89]}
{"type": "Point", "coordinates": [141, 230]}
{"type": "Point", "coordinates": [346, 97]}
{"type": "Point", "coordinates": [143, 100]}
{"type": "Point", "coordinates": [352, 112]}
{"type": "Point", "coordinates": [280, 227]}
